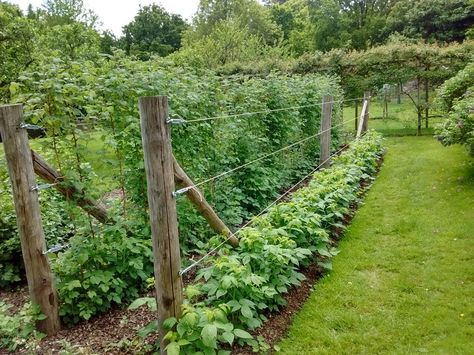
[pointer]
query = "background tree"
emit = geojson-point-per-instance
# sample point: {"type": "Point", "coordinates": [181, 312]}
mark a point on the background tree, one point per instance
{"type": "Point", "coordinates": [441, 20]}
{"type": "Point", "coordinates": [250, 15]}
{"type": "Point", "coordinates": [153, 30]}
{"type": "Point", "coordinates": [17, 43]}
{"type": "Point", "coordinates": [66, 12]}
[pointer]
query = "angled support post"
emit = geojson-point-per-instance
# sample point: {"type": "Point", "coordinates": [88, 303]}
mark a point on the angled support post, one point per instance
{"type": "Point", "coordinates": [364, 115]}
{"type": "Point", "coordinates": [70, 192]}
{"type": "Point", "coordinates": [198, 200]}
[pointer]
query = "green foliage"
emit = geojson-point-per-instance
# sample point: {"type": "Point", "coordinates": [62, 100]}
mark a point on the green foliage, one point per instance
{"type": "Point", "coordinates": [67, 12]}
{"type": "Point", "coordinates": [153, 31]}
{"type": "Point", "coordinates": [67, 42]}
{"type": "Point", "coordinates": [399, 61]}
{"type": "Point", "coordinates": [441, 20]}
{"type": "Point", "coordinates": [16, 46]}
{"type": "Point", "coordinates": [98, 271]}
{"type": "Point", "coordinates": [228, 43]}
{"type": "Point", "coordinates": [456, 96]}
{"type": "Point", "coordinates": [56, 223]}
{"type": "Point", "coordinates": [19, 330]}
{"type": "Point", "coordinates": [247, 14]}
{"type": "Point", "coordinates": [455, 87]}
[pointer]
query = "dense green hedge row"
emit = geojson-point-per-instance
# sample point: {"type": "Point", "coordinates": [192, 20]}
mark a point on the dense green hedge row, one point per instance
{"type": "Point", "coordinates": [239, 286]}
{"type": "Point", "coordinates": [456, 96]}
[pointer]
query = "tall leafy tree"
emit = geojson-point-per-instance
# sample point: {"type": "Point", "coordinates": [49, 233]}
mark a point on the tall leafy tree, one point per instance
{"type": "Point", "coordinates": [154, 30]}
{"type": "Point", "coordinates": [66, 12]}
{"type": "Point", "coordinates": [17, 42]}
{"type": "Point", "coordinates": [442, 20]}
{"type": "Point", "coordinates": [248, 14]}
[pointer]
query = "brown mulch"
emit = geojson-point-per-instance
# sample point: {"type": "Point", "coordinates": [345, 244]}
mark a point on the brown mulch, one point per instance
{"type": "Point", "coordinates": [109, 333]}
{"type": "Point", "coordinates": [15, 297]}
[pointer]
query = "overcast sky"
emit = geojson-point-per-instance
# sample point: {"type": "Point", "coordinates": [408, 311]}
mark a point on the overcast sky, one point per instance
{"type": "Point", "coordinates": [116, 13]}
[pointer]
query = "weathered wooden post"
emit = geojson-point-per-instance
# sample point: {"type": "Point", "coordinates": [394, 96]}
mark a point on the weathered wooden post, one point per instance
{"type": "Point", "coordinates": [366, 115]}
{"type": "Point", "coordinates": [22, 176]}
{"type": "Point", "coordinates": [363, 116]}
{"type": "Point", "coordinates": [325, 130]}
{"type": "Point", "coordinates": [356, 114]}
{"type": "Point", "coordinates": [198, 200]}
{"type": "Point", "coordinates": [156, 139]}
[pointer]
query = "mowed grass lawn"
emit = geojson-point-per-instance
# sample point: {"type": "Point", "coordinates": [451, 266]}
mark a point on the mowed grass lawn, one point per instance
{"type": "Point", "coordinates": [403, 282]}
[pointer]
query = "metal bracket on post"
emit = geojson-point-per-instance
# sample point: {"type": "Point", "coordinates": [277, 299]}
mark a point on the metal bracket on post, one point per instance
{"type": "Point", "coordinates": [24, 125]}
{"type": "Point", "coordinates": [176, 121]}
{"type": "Point", "coordinates": [56, 248]}
{"type": "Point", "coordinates": [42, 187]}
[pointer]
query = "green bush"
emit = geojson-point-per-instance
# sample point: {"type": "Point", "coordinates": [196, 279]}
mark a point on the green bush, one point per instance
{"type": "Point", "coordinates": [98, 271]}
{"type": "Point", "coordinates": [454, 88]}
{"type": "Point", "coordinates": [103, 94]}
{"type": "Point", "coordinates": [456, 96]}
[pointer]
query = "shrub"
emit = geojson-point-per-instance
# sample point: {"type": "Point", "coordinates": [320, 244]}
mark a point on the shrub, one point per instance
{"type": "Point", "coordinates": [99, 271]}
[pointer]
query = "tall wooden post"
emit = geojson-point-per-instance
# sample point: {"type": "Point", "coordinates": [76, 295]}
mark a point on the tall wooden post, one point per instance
{"type": "Point", "coordinates": [22, 176]}
{"type": "Point", "coordinates": [360, 128]}
{"type": "Point", "coordinates": [418, 107]}
{"type": "Point", "coordinates": [427, 99]}
{"type": "Point", "coordinates": [399, 93]}
{"type": "Point", "coordinates": [356, 114]}
{"type": "Point", "coordinates": [156, 139]}
{"type": "Point", "coordinates": [366, 114]}
{"type": "Point", "coordinates": [325, 129]}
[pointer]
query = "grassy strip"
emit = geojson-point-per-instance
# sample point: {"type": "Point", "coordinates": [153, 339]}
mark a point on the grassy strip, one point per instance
{"type": "Point", "coordinates": [404, 281]}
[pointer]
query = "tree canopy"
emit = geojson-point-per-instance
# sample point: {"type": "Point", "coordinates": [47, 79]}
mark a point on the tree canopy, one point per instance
{"type": "Point", "coordinates": [153, 31]}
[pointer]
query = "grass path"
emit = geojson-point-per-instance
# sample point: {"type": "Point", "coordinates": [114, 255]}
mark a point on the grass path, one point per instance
{"type": "Point", "coordinates": [403, 282]}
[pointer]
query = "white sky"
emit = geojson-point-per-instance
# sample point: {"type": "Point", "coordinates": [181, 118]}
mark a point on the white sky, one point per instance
{"type": "Point", "coordinates": [116, 13]}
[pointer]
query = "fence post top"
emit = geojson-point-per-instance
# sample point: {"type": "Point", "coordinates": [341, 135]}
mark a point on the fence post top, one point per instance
{"type": "Point", "coordinates": [157, 97]}
{"type": "Point", "coordinates": [10, 105]}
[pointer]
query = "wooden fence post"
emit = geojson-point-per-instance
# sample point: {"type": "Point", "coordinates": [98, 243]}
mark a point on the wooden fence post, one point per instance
{"type": "Point", "coordinates": [156, 139]}
{"type": "Point", "coordinates": [366, 115]}
{"type": "Point", "coordinates": [360, 128]}
{"type": "Point", "coordinates": [356, 115]}
{"type": "Point", "coordinates": [20, 168]}
{"type": "Point", "coordinates": [325, 130]}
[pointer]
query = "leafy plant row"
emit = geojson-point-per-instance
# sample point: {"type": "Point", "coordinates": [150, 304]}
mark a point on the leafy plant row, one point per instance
{"type": "Point", "coordinates": [240, 286]}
